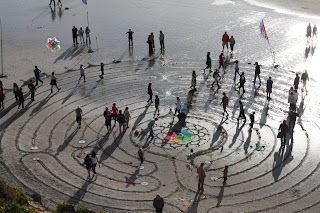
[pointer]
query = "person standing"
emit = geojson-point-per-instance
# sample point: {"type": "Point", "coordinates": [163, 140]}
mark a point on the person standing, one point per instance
{"type": "Point", "coordinates": [88, 163]}
{"type": "Point", "coordinates": [201, 176]}
{"type": "Point", "coordinates": [150, 93]}
{"type": "Point", "coordinates": [150, 126]}
{"type": "Point", "coordinates": [296, 81]}
{"type": "Point", "coordinates": [78, 116]}
{"type": "Point", "coordinates": [2, 97]}
{"type": "Point", "coordinates": [32, 89]}
{"type": "Point", "coordinates": [158, 203]}
{"type": "Point", "coordinates": [242, 81]}
{"type": "Point", "coordinates": [292, 101]}
{"type": "Point", "coordinates": [216, 78]}
{"type": "Point", "coordinates": [252, 119]}
{"type": "Point", "coordinates": [21, 98]}
{"type": "Point", "coordinates": [114, 112]}
{"type": "Point", "coordinates": [88, 32]}
{"type": "Point", "coordinates": [283, 128]}
{"type": "Point", "coordinates": [161, 39]}
{"type": "Point", "coordinates": [208, 62]}
{"type": "Point", "coordinates": [232, 43]}
{"type": "Point", "coordinates": [82, 74]}
{"type": "Point", "coordinates": [1, 86]}
{"type": "Point", "coordinates": [178, 106]}
{"type": "Point", "coordinates": [156, 104]}
{"type": "Point", "coordinates": [304, 78]}
{"type": "Point", "coordinates": [94, 160]}
{"type": "Point", "coordinates": [75, 35]}
{"type": "Point", "coordinates": [152, 40]}
{"type": "Point", "coordinates": [149, 41]}
{"type": "Point", "coordinates": [225, 40]}
{"type": "Point", "coordinates": [102, 70]}
{"type": "Point", "coordinates": [225, 174]}
{"type": "Point", "coordinates": [107, 116]}
{"type": "Point", "coordinates": [225, 102]}
{"type": "Point", "coordinates": [193, 80]}
{"type": "Point", "coordinates": [81, 32]}
{"type": "Point", "coordinates": [257, 74]}
{"type": "Point", "coordinates": [127, 116]}
{"type": "Point", "coordinates": [37, 75]}
{"type": "Point", "coordinates": [309, 31]}
{"type": "Point", "coordinates": [53, 82]}
{"type": "Point", "coordinates": [16, 90]}
{"type": "Point", "coordinates": [140, 154]}
{"type": "Point", "coordinates": [241, 114]}
{"type": "Point", "coordinates": [314, 31]}
{"type": "Point", "coordinates": [269, 87]}
{"type": "Point", "coordinates": [130, 37]}
{"type": "Point", "coordinates": [221, 61]}
{"type": "Point", "coordinates": [236, 70]}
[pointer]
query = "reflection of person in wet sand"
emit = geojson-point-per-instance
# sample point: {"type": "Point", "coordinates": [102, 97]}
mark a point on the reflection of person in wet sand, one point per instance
{"type": "Point", "coordinates": [309, 31]}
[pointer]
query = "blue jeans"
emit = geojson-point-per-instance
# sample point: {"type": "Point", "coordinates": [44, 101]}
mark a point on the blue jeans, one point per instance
{"type": "Point", "coordinates": [32, 94]}
{"type": "Point", "coordinates": [88, 38]}
{"type": "Point", "coordinates": [283, 139]}
{"type": "Point", "coordinates": [151, 131]}
{"type": "Point", "coordinates": [93, 166]}
{"type": "Point", "coordinates": [255, 76]}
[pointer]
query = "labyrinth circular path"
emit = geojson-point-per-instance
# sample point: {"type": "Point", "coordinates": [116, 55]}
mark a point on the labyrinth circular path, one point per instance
{"type": "Point", "coordinates": [262, 177]}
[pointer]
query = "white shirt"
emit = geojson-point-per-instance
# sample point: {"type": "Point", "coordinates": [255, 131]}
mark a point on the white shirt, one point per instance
{"type": "Point", "coordinates": [94, 160]}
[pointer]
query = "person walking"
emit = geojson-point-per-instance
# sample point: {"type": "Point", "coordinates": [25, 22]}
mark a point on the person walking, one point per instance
{"type": "Point", "coordinates": [102, 70]}
{"type": "Point", "coordinates": [150, 126]}
{"type": "Point", "coordinates": [193, 80]}
{"type": "Point", "coordinates": [283, 128]}
{"type": "Point", "coordinates": [2, 97]}
{"type": "Point", "coordinates": [309, 31]}
{"type": "Point", "coordinates": [257, 74]}
{"type": "Point", "coordinates": [149, 41]}
{"type": "Point", "coordinates": [216, 78]}
{"type": "Point", "coordinates": [94, 161]}
{"type": "Point", "coordinates": [107, 116]}
{"type": "Point", "coordinates": [150, 93]}
{"type": "Point", "coordinates": [114, 112]}
{"type": "Point", "coordinates": [293, 117]}
{"type": "Point", "coordinates": [242, 82]}
{"type": "Point", "coordinates": [292, 101]}
{"type": "Point", "coordinates": [241, 114]}
{"type": "Point", "coordinates": [80, 33]}
{"type": "Point", "coordinates": [178, 106]}
{"type": "Point", "coordinates": [156, 104]}
{"type": "Point", "coordinates": [158, 203]}
{"type": "Point", "coordinates": [208, 62]}
{"type": "Point", "coordinates": [141, 155]}
{"type": "Point", "coordinates": [1, 86]}
{"type": "Point", "coordinates": [152, 40]}
{"type": "Point", "coordinates": [32, 89]}
{"type": "Point", "coordinates": [21, 98]}
{"type": "Point", "coordinates": [236, 70]}
{"type": "Point", "coordinates": [221, 61]}
{"type": "Point", "coordinates": [53, 82]}
{"type": "Point", "coordinates": [88, 32]}
{"type": "Point", "coordinates": [16, 90]}
{"type": "Point", "coordinates": [314, 31]}
{"type": "Point", "coordinates": [78, 112]}
{"type": "Point", "coordinates": [37, 75]}
{"type": "Point", "coordinates": [82, 74]}
{"type": "Point", "coordinates": [225, 174]}
{"type": "Point", "coordinates": [201, 176]}
{"type": "Point", "coordinates": [296, 96]}
{"type": "Point", "coordinates": [88, 164]}
{"type": "Point", "coordinates": [161, 39]}
{"type": "Point", "coordinates": [304, 78]}
{"type": "Point", "coordinates": [127, 116]}
{"type": "Point", "coordinates": [252, 119]}
{"type": "Point", "coordinates": [75, 35]}
{"type": "Point", "coordinates": [130, 37]}
{"type": "Point", "coordinates": [225, 40]}
{"type": "Point", "coordinates": [225, 102]}
{"type": "Point", "coordinates": [232, 43]}
{"type": "Point", "coordinates": [269, 87]}
{"type": "Point", "coordinates": [54, 2]}
{"type": "Point", "coordinates": [296, 81]}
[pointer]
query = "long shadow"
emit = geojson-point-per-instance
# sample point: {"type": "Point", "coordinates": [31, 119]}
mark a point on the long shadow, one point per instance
{"type": "Point", "coordinates": [42, 103]}
{"type": "Point", "coordinates": [247, 143]}
{"type": "Point", "coordinates": [307, 51]}
{"type": "Point", "coordinates": [217, 133]}
{"type": "Point", "coordinates": [313, 48]}
{"type": "Point", "coordinates": [236, 134]}
{"type": "Point", "coordinates": [152, 60]}
{"type": "Point", "coordinates": [107, 152]}
{"type": "Point", "coordinates": [93, 88]}
{"type": "Point", "coordinates": [122, 56]}
{"type": "Point", "coordinates": [78, 196]}
{"type": "Point", "coordinates": [300, 110]}
{"type": "Point", "coordinates": [132, 178]}
{"type": "Point", "coordinates": [70, 94]}
{"type": "Point", "coordinates": [220, 196]}
{"type": "Point", "coordinates": [77, 52]}
{"type": "Point", "coordinates": [140, 117]}
{"type": "Point", "coordinates": [264, 114]}
{"type": "Point", "coordinates": [141, 63]}
{"type": "Point", "coordinates": [7, 109]}
{"type": "Point", "coordinates": [66, 54]}
{"type": "Point", "coordinates": [66, 142]}
{"type": "Point", "coordinates": [196, 201]}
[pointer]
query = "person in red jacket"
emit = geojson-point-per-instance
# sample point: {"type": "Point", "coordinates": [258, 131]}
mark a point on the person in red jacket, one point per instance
{"type": "Point", "coordinates": [225, 40]}
{"type": "Point", "coordinates": [2, 97]}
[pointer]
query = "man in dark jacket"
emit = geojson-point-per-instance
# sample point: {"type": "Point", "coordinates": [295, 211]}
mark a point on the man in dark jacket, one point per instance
{"type": "Point", "coordinates": [32, 89]}
{"type": "Point", "coordinates": [158, 203]}
{"type": "Point", "coordinates": [37, 75]}
{"type": "Point", "coordinates": [150, 93]}
{"type": "Point", "coordinates": [257, 74]}
{"type": "Point", "coordinates": [21, 99]}
{"type": "Point", "coordinates": [242, 81]}
{"type": "Point", "coordinates": [296, 81]}
{"type": "Point", "coordinates": [75, 35]}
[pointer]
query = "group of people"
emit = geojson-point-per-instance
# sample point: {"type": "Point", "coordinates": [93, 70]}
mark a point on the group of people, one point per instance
{"type": "Point", "coordinates": [150, 42]}
{"type": "Point", "coordinates": [80, 33]}
{"type": "Point", "coordinates": [312, 31]}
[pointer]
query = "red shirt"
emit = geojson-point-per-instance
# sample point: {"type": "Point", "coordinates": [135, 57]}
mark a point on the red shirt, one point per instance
{"type": "Point", "coordinates": [114, 110]}
{"type": "Point", "coordinates": [221, 58]}
{"type": "Point", "coordinates": [225, 38]}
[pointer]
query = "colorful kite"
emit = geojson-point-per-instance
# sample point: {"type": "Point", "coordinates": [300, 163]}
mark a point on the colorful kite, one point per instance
{"type": "Point", "coordinates": [53, 44]}
{"type": "Point", "coordinates": [263, 30]}
{"type": "Point", "coordinates": [183, 135]}
{"type": "Point", "coordinates": [84, 1]}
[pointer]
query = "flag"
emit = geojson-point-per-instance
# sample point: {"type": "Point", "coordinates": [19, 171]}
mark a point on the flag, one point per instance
{"type": "Point", "coordinates": [84, 1]}
{"type": "Point", "coordinates": [263, 30]}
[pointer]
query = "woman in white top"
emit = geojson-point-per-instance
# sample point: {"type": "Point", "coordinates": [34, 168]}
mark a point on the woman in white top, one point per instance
{"type": "Point", "coordinates": [95, 160]}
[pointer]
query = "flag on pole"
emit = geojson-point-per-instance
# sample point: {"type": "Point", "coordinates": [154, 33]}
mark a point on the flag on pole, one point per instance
{"type": "Point", "coordinates": [84, 1]}
{"type": "Point", "coordinates": [262, 30]}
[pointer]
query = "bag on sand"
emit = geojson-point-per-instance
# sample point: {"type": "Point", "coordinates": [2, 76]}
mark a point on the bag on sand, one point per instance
{"type": "Point", "coordinates": [279, 135]}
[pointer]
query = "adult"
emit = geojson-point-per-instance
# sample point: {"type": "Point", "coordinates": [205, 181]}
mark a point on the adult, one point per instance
{"type": "Point", "coordinates": [150, 43]}
{"type": "Point", "coordinates": [283, 128]}
{"type": "Point", "coordinates": [309, 31]}
{"type": "Point", "coordinates": [292, 101]}
{"type": "Point", "coordinates": [80, 33]}
{"type": "Point", "coordinates": [82, 74]}
{"type": "Point", "coordinates": [75, 35]}
{"type": "Point", "coordinates": [102, 70]}
{"type": "Point", "coordinates": [53, 82]}
{"type": "Point", "coordinates": [161, 39]}
{"type": "Point", "coordinates": [158, 203]}
{"type": "Point", "coordinates": [208, 62]}
{"type": "Point", "coordinates": [88, 32]}
{"type": "Point", "coordinates": [21, 98]}
{"type": "Point", "coordinates": [152, 40]}
{"type": "Point", "coordinates": [257, 73]}
{"type": "Point", "coordinates": [225, 102]}
{"type": "Point", "coordinates": [304, 78]}
{"type": "Point", "coordinates": [150, 126]}
{"type": "Point", "coordinates": [269, 87]}
{"type": "Point", "coordinates": [178, 106]}
{"type": "Point", "coordinates": [32, 89]}
{"type": "Point", "coordinates": [140, 154]}
{"type": "Point", "coordinates": [94, 160]}
{"type": "Point", "coordinates": [2, 97]}
{"type": "Point", "coordinates": [16, 90]}
{"type": "Point", "coordinates": [296, 96]}
{"type": "Point", "coordinates": [150, 93]}
{"type": "Point", "coordinates": [314, 31]}
{"type": "Point", "coordinates": [221, 61]}
{"type": "Point", "coordinates": [114, 112]}
{"type": "Point", "coordinates": [293, 117]}
{"type": "Point", "coordinates": [216, 78]}
{"type": "Point", "coordinates": [296, 81]}
{"type": "Point", "coordinates": [78, 112]}
{"type": "Point", "coordinates": [88, 164]}
{"type": "Point", "coordinates": [225, 40]}
{"type": "Point", "coordinates": [1, 86]}
{"type": "Point", "coordinates": [107, 117]}
{"type": "Point", "coordinates": [241, 113]}
{"type": "Point", "coordinates": [232, 43]}
{"type": "Point", "coordinates": [252, 119]}
{"type": "Point", "coordinates": [201, 176]}
{"type": "Point", "coordinates": [193, 80]}
{"type": "Point", "coordinates": [156, 104]}
{"type": "Point", "coordinates": [236, 70]}
{"type": "Point", "coordinates": [127, 116]}
{"type": "Point", "coordinates": [130, 37]}
{"type": "Point", "coordinates": [225, 174]}
{"type": "Point", "coordinates": [242, 82]}
{"type": "Point", "coordinates": [37, 75]}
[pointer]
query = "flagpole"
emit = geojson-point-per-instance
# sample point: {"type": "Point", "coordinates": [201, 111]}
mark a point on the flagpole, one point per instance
{"type": "Point", "coordinates": [272, 53]}
{"type": "Point", "coordinates": [2, 75]}
{"type": "Point", "coordinates": [89, 50]}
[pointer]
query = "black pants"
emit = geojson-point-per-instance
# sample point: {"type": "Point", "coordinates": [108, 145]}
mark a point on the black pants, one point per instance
{"type": "Point", "coordinates": [84, 77]}
{"type": "Point", "coordinates": [251, 124]}
{"type": "Point", "coordinates": [242, 115]}
{"type": "Point", "coordinates": [221, 65]}
{"type": "Point", "coordinates": [159, 210]}
{"type": "Point", "coordinates": [130, 42]}
{"type": "Point", "coordinates": [53, 86]}
{"type": "Point", "coordinates": [150, 98]}
{"type": "Point", "coordinates": [225, 179]}
{"type": "Point", "coordinates": [54, 2]}
{"type": "Point", "coordinates": [21, 103]}
{"type": "Point", "coordinates": [235, 74]}
{"type": "Point", "coordinates": [231, 45]}
{"type": "Point", "coordinates": [242, 88]}
{"type": "Point", "coordinates": [16, 95]}
{"type": "Point", "coordinates": [162, 45]}
{"type": "Point", "coordinates": [38, 79]}
{"type": "Point", "coordinates": [75, 39]}
{"type": "Point", "coordinates": [208, 65]}
{"type": "Point", "coordinates": [177, 110]}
